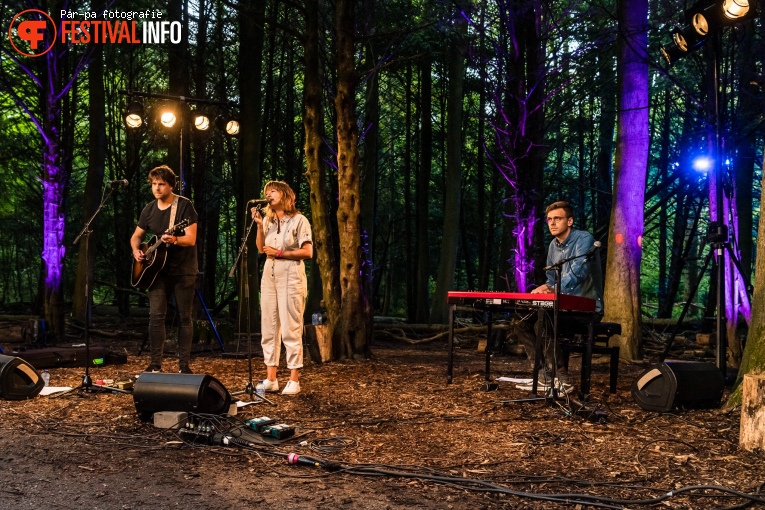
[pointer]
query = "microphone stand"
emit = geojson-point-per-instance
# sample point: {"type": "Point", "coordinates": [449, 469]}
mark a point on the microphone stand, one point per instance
{"type": "Point", "coordinates": [87, 382]}
{"type": "Point", "coordinates": [558, 268]}
{"type": "Point", "coordinates": [241, 257]}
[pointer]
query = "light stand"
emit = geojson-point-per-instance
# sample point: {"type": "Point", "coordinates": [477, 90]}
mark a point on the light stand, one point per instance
{"type": "Point", "coordinates": [241, 257]}
{"type": "Point", "coordinates": [87, 382]}
{"type": "Point", "coordinates": [708, 18]}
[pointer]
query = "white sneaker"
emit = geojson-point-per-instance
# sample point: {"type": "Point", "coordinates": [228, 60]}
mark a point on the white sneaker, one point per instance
{"type": "Point", "coordinates": [292, 388]}
{"type": "Point", "coordinates": [271, 386]}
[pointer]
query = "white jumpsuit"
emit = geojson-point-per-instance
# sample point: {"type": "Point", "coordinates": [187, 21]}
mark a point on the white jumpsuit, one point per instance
{"type": "Point", "coordinates": [283, 290]}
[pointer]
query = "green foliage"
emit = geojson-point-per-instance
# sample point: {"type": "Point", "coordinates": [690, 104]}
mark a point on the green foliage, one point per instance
{"type": "Point", "coordinates": [578, 43]}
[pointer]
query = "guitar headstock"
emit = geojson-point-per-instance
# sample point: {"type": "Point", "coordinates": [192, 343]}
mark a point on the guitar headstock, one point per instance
{"type": "Point", "coordinates": [179, 227]}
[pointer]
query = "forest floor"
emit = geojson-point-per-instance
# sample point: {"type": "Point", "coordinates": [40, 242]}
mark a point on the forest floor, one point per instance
{"type": "Point", "coordinates": [402, 437]}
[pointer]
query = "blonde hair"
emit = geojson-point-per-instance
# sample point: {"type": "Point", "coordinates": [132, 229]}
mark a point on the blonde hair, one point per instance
{"type": "Point", "coordinates": [288, 198]}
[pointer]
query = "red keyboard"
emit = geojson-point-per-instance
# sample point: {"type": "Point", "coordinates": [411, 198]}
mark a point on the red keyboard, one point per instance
{"type": "Point", "coordinates": [527, 300]}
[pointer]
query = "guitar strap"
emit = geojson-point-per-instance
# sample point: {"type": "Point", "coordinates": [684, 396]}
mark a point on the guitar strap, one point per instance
{"type": "Point", "coordinates": [173, 210]}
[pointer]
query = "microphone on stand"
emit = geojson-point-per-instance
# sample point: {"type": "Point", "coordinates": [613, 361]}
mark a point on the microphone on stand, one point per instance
{"type": "Point", "coordinates": [259, 201]}
{"type": "Point", "coordinates": [119, 183]}
{"type": "Point", "coordinates": [595, 247]}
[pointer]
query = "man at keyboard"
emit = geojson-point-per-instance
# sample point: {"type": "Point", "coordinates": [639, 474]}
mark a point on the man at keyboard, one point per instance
{"type": "Point", "coordinates": [580, 277]}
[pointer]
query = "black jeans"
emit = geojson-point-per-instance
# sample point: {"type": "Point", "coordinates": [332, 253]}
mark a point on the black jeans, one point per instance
{"type": "Point", "coordinates": [526, 330]}
{"type": "Point", "coordinates": [183, 288]}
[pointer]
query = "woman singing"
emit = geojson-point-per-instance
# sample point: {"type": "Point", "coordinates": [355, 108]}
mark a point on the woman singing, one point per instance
{"type": "Point", "coordinates": [284, 235]}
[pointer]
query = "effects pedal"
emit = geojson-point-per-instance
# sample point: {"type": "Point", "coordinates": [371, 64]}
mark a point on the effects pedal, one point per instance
{"type": "Point", "coordinates": [280, 431]}
{"type": "Point", "coordinates": [258, 424]}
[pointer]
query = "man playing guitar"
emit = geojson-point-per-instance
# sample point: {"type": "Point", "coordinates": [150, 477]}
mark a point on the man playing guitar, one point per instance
{"type": "Point", "coordinates": [179, 273]}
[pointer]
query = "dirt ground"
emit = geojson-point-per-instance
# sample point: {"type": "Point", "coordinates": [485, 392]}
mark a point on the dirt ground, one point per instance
{"type": "Point", "coordinates": [393, 434]}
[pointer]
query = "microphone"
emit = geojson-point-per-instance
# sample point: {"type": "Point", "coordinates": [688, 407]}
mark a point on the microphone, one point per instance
{"type": "Point", "coordinates": [595, 247]}
{"type": "Point", "coordinates": [259, 201]}
{"type": "Point", "coordinates": [119, 183]}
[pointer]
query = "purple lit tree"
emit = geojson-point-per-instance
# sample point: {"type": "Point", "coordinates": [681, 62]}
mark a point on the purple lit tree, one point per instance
{"type": "Point", "coordinates": [52, 76]}
{"type": "Point", "coordinates": [520, 131]}
{"type": "Point", "coordinates": [622, 284]}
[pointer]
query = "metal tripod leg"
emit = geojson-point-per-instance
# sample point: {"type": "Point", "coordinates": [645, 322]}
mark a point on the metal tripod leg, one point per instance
{"type": "Point", "coordinates": [210, 320]}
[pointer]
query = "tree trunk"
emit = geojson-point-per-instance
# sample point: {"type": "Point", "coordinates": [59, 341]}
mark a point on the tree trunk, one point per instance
{"type": "Point", "coordinates": [54, 183]}
{"type": "Point", "coordinates": [453, 178]}
{"type": "Point", "coordinates": [753, 358]}
{"type": "Point", "coordinates": [663, 163]}
{"type": "Point", "coordinates": [371, 153]}
{"type": "Point", "coordinates": [355, 315]}
{"type": "Point", "coordinates": [409, 228]}
{"type": "Point", "coordinates": [251, 19]}
{"type": "Point", "coordinates": [422, 273]}
{"type": "Point", "coordinates": [91, 199]}
{"type": "Point", "coordinates": [316, 175]}
{"type": "Point", "coordinates": [622, 289]}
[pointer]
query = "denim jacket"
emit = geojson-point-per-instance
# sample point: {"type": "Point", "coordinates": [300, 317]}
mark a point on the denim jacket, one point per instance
{"type": "Point", "coordinates": [581, 276]}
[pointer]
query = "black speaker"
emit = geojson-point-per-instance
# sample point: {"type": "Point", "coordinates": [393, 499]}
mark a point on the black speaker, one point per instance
{"type": "Point", "coordinates": [18, 379]}
{"type": "Point", "coordinates": [686, 384]}
{"type": "Point", "coordinates": [195, 393]}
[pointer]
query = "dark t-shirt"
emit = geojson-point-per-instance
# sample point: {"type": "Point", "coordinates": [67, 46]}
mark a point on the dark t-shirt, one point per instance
{"type": "Point", "coordinates": [181, 260]}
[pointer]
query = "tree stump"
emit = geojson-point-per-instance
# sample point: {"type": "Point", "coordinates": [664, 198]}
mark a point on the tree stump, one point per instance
{"type": "Point", "coordinates": [752, 434]}
{"type": "Point", "coordinates": [319, 342]}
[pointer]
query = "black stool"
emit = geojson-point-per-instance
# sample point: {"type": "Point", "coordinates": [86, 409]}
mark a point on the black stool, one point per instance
{"type": "Point", "coordinates": [598, 333]}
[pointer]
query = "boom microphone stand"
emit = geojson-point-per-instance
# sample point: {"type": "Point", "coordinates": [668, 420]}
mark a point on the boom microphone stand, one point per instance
{"type": "Point", "coordinates": [87, 382]}
{"type": "Point", "coordinates": [241, 257]}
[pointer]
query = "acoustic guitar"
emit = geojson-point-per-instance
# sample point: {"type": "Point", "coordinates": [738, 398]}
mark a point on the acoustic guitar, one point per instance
{"type": "Point", "coordinates": [155, 255]}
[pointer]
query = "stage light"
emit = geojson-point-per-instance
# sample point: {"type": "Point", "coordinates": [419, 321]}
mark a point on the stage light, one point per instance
{"type": "Point", "coordinates": [134, 115]}
{"type": "Point", "coordinates": [232, 127]}
{"type": "Point", "coordinates": [700, 24]}
{"type": "Point", "coordinates": [228, 125]}
{"type": "Point", "coordinates": [702, 164]}
{"type": "Point", "coordinates": [735, 9]}
{"type": "Point", "coordinates": [201, 121]}
{"type": "Point", "coordinates": [167, 117]}
{"type": "Point", "coordinates": [684, 41]}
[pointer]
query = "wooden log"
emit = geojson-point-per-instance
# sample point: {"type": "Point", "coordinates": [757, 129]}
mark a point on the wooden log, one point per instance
{"type": "Point", "coordinates": [319, 342]}
{"type": "Point", "coordinates": [703, 338]}
{"type": "Point", "coordinates": [752, 433]}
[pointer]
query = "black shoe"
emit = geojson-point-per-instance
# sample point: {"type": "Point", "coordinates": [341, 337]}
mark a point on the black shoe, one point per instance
{"type": "Point", "coordinates": [184, 369]}
{"type": "Point", "coordinates": [154, 367]}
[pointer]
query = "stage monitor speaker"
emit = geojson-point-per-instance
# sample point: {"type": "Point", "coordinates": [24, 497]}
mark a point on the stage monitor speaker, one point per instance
{"type": "Point", "coordinates": [674, 383]}
{"type": "Point", "coordinates": [18, 379]}
{"type": "Point", "coordinates": [195, 393]}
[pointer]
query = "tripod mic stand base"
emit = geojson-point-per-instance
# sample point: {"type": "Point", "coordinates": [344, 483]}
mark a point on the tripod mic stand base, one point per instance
{"type": "Point", "coordinates": [255, 395]}
{"type": "Point", "coordinates": [250, 390]}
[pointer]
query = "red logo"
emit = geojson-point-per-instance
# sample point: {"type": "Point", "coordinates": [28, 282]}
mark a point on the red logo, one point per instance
{"type": "Point", "coordinates": [27, 32]}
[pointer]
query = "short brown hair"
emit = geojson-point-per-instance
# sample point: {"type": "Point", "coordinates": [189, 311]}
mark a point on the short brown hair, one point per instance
{"type": "Point", "coordinates": [561, 204]}
{"type": "Point", "coordinates": [163, 173]}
